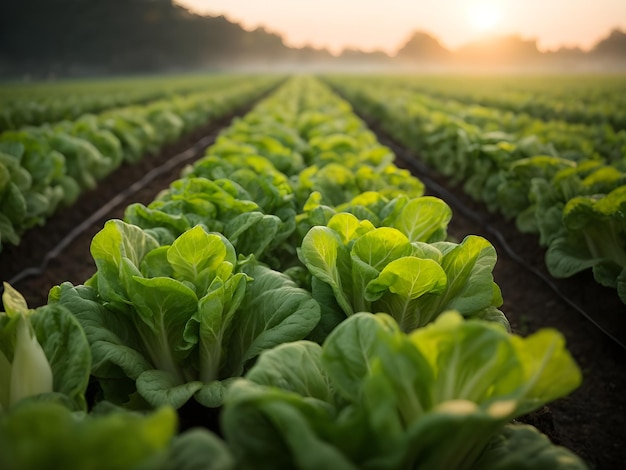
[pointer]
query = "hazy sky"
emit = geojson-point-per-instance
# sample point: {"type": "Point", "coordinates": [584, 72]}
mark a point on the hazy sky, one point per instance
{"type": "Point", "coordinates": [387, 24]}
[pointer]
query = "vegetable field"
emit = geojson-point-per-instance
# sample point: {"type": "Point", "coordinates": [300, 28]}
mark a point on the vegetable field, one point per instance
{"type": "Point", "coordinates": [343, 272]}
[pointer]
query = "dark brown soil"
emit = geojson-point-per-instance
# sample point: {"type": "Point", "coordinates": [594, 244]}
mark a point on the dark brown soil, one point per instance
{"type": "Point", "coordinates": [591, 421]}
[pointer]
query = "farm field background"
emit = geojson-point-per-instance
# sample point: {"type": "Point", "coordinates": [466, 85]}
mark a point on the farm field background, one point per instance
{"type": "Point", "coordinates": [529, 302]}
{"type": "Point", "coordinates": [279, 256]}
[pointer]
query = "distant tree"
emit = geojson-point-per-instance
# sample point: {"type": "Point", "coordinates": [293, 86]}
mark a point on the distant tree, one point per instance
{"type": "Point", "coordinates": [121, 36]}
{"type": "Point", "coordinates": [613, 46]}
{"type": "Point", "coordinates": [422, 46]}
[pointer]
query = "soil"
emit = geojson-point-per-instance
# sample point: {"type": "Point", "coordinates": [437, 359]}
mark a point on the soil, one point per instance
{"type": "Point", "coordinates": [591, 421]}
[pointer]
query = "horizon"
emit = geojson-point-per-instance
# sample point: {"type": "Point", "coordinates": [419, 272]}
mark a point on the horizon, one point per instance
{"type": "Point", "coordinates": [359, 25]}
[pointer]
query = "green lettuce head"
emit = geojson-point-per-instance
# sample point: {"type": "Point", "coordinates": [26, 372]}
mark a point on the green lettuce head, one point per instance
{"type": "Point", "coordinates": [375, 397]}
{"type": "Point", "coordinates": [168, 323]}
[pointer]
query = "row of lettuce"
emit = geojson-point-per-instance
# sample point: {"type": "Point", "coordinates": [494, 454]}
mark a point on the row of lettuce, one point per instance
{"type": "Point", "coordinates": [34, 104]}
{"type": "Point", "coordinates": [44, 168]}
{"type": "Point", "coordinates": [299, 282]}
{"type": "Point", "coordinates": [591, 100]}
{"type": "Point", "coordinates": [571, 194]}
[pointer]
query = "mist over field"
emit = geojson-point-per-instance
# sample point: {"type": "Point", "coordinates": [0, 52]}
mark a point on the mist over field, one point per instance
{"type": "Point", "coordinates": [47, 39]}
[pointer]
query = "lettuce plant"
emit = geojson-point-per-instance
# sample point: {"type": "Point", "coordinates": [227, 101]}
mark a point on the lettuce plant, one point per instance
{"type": "Point", "coordinates": [374, 397]}
{"type": "Point", "coordinates": [35, 436]}
{"type": "Point", "coordinates": [195, 449]}
{"type": "Point", "coordinates": [268, 187]}
{"type": "Point", "coordinates": [259, 181]}
{"type": "Point", "coordinates": [15, 184]}
{"type": "Point", "coordinates": [44, 354]}
{"type": "Point", "coordinates": [33, 182]}
{"type": "Point", "coordinates": [339, 183]}
{"type": "Point", "coordinates": [221, 206]}
{"type": "Point", "coordinates": [359, 268]}
{"type": "Point", "coordinates": [421, 219]}
{"type": "Point", "coordinates": [46, 435]}
{"type": "Point", "coordinates": [514, 191]}
{"type": "Point", "coordinates": [277, 143]}
{"type": "Point", "coordinates": [180, 320]}
{"type": "Point", "coordinates": [594, 238]}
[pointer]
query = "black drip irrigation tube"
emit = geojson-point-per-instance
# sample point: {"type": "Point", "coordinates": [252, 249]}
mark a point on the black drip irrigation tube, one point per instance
{"type": "Point", "coordinates": [423, 171]}
{"type": "Point", "coordinates": [194, 151]}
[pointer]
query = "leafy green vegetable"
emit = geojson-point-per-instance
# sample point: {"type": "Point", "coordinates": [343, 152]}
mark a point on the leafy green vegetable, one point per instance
{"type": "Point", "coordinates": [513, 193]}
{"type": "Point", "coordinates": [380, 270]}
{"type": "Point", "coordinates": [374, 397]}
{"type": "Point", "coordinates": [220, 205]}
{"type": "Point", "coordinates": [421, 219]}
{"type": "Point", "coordinates": [338, 183]}
{"type": "Point", "coordinates": [511, 449]}
{"type": "Point", "coordinates": [43, 353]}
{"type": "Point", "coordinates": [196, 449]}
{"type": "Point", "coordinates": [178, 320]}
{"type": "Point", "coordinates": [46, 435]}
{"type": "Point", "coordinates": [593, 238]}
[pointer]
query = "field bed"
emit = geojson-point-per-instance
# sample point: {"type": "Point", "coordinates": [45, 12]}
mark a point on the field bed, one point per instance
{"type": "Point", "coordinates": [590, 421]}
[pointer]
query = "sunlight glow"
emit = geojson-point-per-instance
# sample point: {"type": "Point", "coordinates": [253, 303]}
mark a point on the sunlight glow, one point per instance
{"type": "Point", "coordinates": [374, 25]}
{"type": "Point", "coordinates": [484, 16]}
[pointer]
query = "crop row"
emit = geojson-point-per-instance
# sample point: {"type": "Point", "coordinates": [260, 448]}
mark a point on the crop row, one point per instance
{"type": "Point", "coordinates": [589, 100]}
{"type": "Point", "coordinates": [44, 103]}
{"type": "Point", "coordinates": [42, 168]}
{"type": "Point", "coordinates": [573, 141]}
{"type": "Point", "coordinates": [574, 202]}
{"type": "Point", "coordinates": [252, 285]}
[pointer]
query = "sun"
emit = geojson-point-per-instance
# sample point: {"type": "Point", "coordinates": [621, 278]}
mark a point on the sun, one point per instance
{"type": "Point", "coordinates": [484, 16]}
